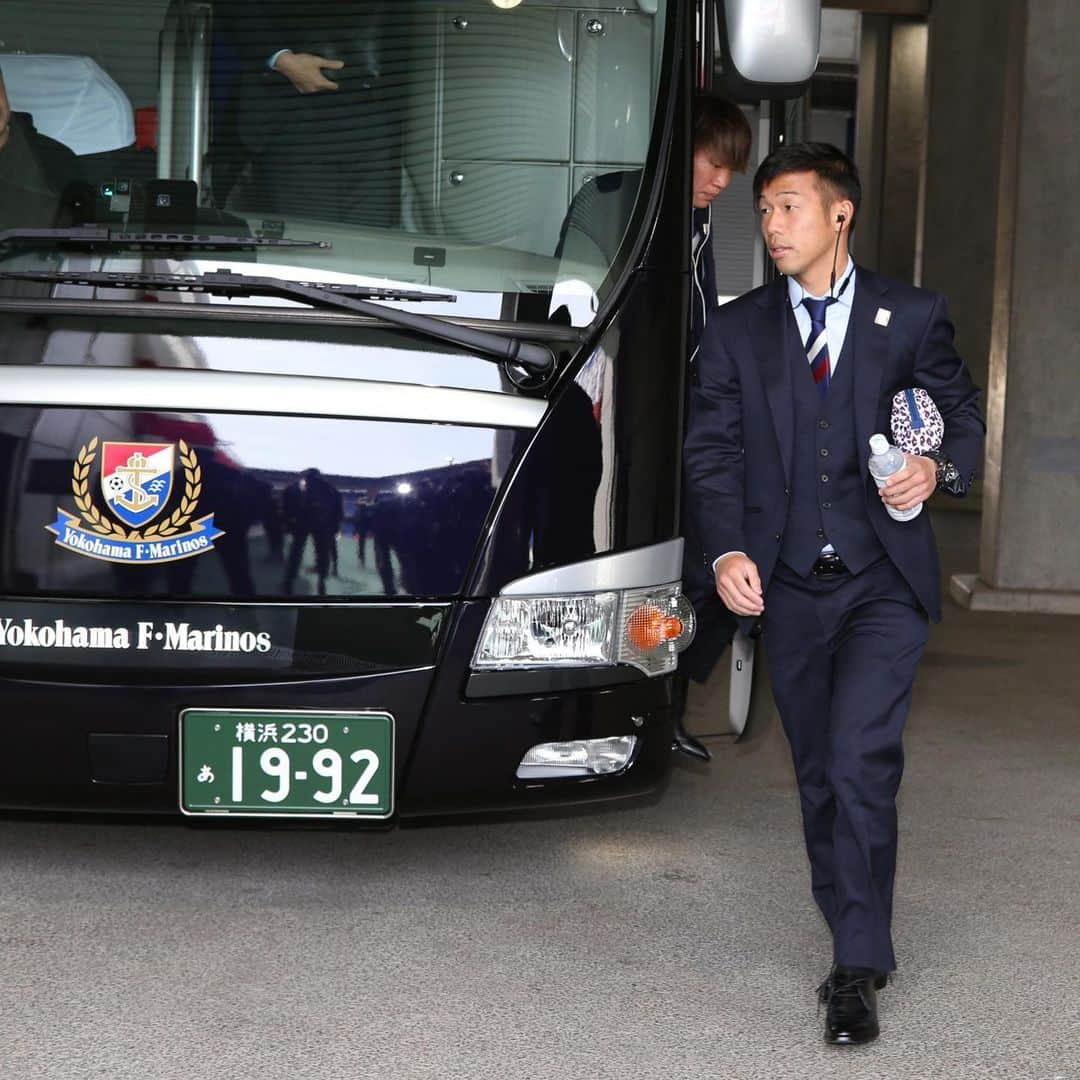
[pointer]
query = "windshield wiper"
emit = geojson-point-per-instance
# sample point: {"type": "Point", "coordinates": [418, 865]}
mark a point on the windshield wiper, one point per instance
{"type": "Point", "coordinates": [219, 283]}
{"type": "Point", "coordinates": [98, 238]}
{"type": "Point", "coordinates": [357, 298]}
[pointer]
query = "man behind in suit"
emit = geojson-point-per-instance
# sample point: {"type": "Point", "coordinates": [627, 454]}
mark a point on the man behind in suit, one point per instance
{"type": "Point", "coordinates": [792, 381]}
{"type": "Point", "coordinates": [722, 141]}
{"type": "Point", "coordinates": [309, 102]}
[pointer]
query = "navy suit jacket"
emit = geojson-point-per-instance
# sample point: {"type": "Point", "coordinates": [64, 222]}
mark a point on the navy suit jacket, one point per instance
{"type": "Point", "coordinates": [740, 435]}
{"type": "Point", "coordinates": [703, 303]}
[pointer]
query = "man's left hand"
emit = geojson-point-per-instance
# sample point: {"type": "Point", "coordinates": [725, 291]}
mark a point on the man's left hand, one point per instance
{"type": "Point", "coordinates": [913, 484]}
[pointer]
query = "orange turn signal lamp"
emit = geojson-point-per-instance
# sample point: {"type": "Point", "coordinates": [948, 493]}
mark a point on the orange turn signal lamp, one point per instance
{"type": "Point", "coordinates": [649, 628]}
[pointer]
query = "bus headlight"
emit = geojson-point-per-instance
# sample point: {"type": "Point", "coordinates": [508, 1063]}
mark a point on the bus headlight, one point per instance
{"type": "Point", "coordinates": [646, 628]}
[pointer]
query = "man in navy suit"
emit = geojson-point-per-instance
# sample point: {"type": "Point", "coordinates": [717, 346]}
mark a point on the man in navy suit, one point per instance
{"type": "Point", "coordinates": [791, 382]}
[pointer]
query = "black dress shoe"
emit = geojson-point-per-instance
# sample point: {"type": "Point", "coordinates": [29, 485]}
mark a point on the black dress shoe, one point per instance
{"type": "Point", "coordinates": [881, 980]}
{"type": "Point", "coordinates": [682, 740]}
{"type": "Point", "coordinates": [850, 997]}
{"type": "Point", "coordinates": [686, 744]}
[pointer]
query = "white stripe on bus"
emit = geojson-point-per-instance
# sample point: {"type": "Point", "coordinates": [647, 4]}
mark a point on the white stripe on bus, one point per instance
{"type": "Point", "coordinates": [190, 390]}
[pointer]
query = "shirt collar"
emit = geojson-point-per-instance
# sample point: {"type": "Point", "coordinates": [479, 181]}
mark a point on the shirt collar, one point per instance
{"type": "Point", "coordinates": [796, 293]}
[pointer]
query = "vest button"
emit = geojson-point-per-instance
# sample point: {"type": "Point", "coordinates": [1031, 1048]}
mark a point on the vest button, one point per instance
{"type": "Point", "coordinates": [824, 478]}
{"type": "Point", "coordinates": [823, 452]}
{"type": "Point", "coordinates": [821, 534]}
{"type": "Point", "coordinates": [778, 535]}
{"type": "Point", "coordinates": [787, 491]}
{"type": "Point", "coordinates": [826, 506]}
{"type": "Point", "coordinates": [823, 424]}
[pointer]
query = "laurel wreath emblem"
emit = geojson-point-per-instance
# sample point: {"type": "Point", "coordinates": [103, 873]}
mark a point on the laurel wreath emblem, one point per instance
{"type": "Point", "coordinates": [103, 526]}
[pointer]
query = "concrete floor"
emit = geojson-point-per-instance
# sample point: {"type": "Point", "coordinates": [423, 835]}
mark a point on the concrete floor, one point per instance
{"type": "Point", "coordinates": [669, 940]}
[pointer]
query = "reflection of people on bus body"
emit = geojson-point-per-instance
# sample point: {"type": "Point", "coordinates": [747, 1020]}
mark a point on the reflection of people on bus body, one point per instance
{"type": "Point", "coordinates": [382, 525]}
{"type": "Point", "coordinates": [361, 523]}
{"type": "Point", "coordinates": [35, 171]}
{"type": "Point", "coordinates": [423, 530]}
{"type": "Point", "coordinates": [552, 500]}
{"type": "Point", "coordinates": [311, 506]}
{"type": "Point", "coordinates": [240, 500]}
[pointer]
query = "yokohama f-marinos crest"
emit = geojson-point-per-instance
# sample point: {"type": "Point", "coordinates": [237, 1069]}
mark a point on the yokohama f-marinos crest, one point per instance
{"type": "Point", "coordinates": [136, 482]}
{"type": "Point", "coordinates": [136, 479]}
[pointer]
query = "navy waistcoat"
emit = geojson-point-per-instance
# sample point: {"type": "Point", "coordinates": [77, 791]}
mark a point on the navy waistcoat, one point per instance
{"type": "Point", "coordinates": [828, 488]}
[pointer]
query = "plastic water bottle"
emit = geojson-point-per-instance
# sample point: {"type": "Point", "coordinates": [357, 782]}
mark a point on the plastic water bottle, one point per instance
{"type": "Point", "coordinates": [884, 461]}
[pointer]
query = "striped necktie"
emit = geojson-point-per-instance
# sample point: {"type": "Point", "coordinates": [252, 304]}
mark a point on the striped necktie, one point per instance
{"type": "Point", "coordinates": [817, 344]}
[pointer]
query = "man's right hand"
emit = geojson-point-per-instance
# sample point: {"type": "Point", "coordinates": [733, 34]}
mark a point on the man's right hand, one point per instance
{"type": "Point", "coordinates": [305, 71]}
{"type": "Point", "coordinates": [739, 585]}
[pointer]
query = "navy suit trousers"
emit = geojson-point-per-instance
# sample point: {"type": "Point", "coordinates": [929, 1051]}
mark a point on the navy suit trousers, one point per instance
{"type": "Point", "coordinates": [842, 656]}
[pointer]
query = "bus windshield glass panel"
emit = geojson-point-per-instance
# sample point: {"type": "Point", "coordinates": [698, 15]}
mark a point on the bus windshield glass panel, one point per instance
{"type": "Point", "coordinates": [488, 152]}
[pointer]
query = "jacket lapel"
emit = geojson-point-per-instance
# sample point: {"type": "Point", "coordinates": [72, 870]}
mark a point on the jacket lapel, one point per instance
{"type": "Point", "coordinates": [770, 337]}
{"type": "Point", "coordinates": [869, 354]}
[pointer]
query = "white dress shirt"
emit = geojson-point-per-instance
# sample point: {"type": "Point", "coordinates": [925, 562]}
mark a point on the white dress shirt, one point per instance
{"type": "Point", "coordinates": [837, 314]}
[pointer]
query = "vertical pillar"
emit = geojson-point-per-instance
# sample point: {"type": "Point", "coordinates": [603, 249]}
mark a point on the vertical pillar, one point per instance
{"type": "Point", "coordinates": [969, 45]}
{"type": "Point", "coordinates": [905, 141]}
{"type": "Point", "coordinates": [870, 113]}
{"type": "Point", "coordinates": [1030, 553]}
{"type": "Point", "coordinates": [890, 139]}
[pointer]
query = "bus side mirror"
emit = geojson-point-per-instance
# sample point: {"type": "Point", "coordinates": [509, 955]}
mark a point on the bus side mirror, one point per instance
{"type": "Point", "coordinates": [766, 50]}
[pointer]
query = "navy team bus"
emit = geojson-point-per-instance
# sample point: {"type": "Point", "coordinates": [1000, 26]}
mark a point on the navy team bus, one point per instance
{"type": "Point", "coordinates": [342, 349]}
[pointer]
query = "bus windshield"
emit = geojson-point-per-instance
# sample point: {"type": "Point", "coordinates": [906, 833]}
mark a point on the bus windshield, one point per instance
{"type": "Point", "coordinates": [489, 148]}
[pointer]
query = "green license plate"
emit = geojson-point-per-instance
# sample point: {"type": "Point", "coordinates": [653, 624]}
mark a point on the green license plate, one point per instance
{"type": "Point", "coordinates": [259, 762]}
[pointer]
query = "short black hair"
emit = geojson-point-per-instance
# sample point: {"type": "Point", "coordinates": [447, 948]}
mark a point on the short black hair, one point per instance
{"type": "Point", "coordinates": [836, 172]}
{"type": "Point", "coordinates": [721, 126]}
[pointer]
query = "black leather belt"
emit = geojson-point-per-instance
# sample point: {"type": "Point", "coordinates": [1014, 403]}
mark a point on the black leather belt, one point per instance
{"type": "Point", "coordinates": [829, 566]}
